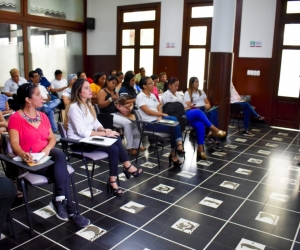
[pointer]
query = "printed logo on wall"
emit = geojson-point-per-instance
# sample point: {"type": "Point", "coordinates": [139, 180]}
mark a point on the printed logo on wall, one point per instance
{"type": "Point", "coordinates": [90, 167]}
{"type": "Point", "coordinates": [91, 232]}
{"type": "Point", "coordinates": [87, 192]}
{"type": "Point", "coordinates": [279, 197]}
{"type": "Point", "coordinates": [204, 163]}
{"type": "Point", "coordinates": [277, 139]}
{"type": "Point", "coordinates": [229, 184]}
{"type": "Point", "coordinates": [45, 212]}
{"type": "Point", "coordinates": [186, 174]}
{"type": "Point", "coordinates": [264, 152]}
{"type": "Point", "coordinates": [240, 140]}
{"type": "Point", "coordinates": [149, 164]}
{"type": "Point", "coordinates": [163, 189]}
{"type": "Point", "coordinates": [170, 45]}
{"type": "Point", "coordinates": [267, 218]}
{"type": "Point", "coordinates": [132, 207]}
{"type": "Point", "coordinates": [289, 181]}
{"type": "Point", "coordinates": [210, 202]}
{"type": "Point", "coordinates": [272, 145]}
{"type": "Point", "coordinates": [244, 171]}
{"type": "Point", "coordinates": [248, 244]}
{"type": "Point", "coordinates": [283, 134]}
{"type": "Point", "coordinates": [256, 161]}
{"type": "Point", "coordinates": [221, 154]}
{"type": "Point", "coordinates": [230, 146]}
{"type": "Point", "coordinates": [185, 226]}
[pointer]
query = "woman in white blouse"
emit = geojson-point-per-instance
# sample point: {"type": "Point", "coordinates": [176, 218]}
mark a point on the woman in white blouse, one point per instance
{"type": "Point", "coordinates": [151, 111]}
{"type": "Point", "coordinates": [196, 118]}
{"type": "Point", "coordinates": [81, 122]}
{"type": "Point", "coordinates": [197, 98]}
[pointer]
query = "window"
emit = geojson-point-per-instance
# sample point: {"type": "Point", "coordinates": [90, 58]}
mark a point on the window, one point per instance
{"type": "Point", "coordinates": [11, 50]}
{"type": "Point", "coordinates": [293, 7]}
{"type": "Point", "coordinates": [10, 5]}
{"type": "Point", "coordinates": [55, 49]}
{"type": "Point", "coordinates": [138, 37]}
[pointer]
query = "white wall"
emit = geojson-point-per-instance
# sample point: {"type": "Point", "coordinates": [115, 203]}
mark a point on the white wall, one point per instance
{"type": "Point", "coordinates": [258, 23]}
{"type": "Point", "coordinates": [102, 40]}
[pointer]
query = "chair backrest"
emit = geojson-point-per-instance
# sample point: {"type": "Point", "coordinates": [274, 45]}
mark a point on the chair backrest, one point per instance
{"type": "Point", "coordinates": [6, 144]}
{"type": "Point", "coordinates": [97, 108]}
{"type": "Point", "coordinates": [61, 129]}
{"type": "Point", "coordinates": [138, 118]}
{"type": "Point", "coordinates": [107, 120]}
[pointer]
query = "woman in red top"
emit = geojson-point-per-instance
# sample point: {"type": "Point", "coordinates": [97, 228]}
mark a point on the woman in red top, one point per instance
{"type": "Point", "coordinates": [30, 131]}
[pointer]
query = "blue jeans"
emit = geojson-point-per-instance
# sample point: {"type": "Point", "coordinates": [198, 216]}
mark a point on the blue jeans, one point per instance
{"type": "Point", "coordinates": [8, 193]}
{"type": "Point", "coordinates": [198, 120]}
{"type": "Point", "coordinates": [247, 110]}
{"type": "Point", "coordinates": [49, 108]}
{"type": "Point", "coordinates": [212, 116]}
{"type": "Point", "coordinates": [174, 131]}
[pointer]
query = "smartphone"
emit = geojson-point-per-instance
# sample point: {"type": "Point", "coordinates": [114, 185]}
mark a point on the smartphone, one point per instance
{"type": "Point", "coordinates": [97, 139]}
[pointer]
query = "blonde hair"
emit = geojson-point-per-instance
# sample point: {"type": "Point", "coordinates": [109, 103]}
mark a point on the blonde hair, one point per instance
{"type": "Point", "coordinates": [75, 98]}
{"type": "Point", "coordinates": [190, 88]}
{"type": "Point", "coordinates": [14, 70]}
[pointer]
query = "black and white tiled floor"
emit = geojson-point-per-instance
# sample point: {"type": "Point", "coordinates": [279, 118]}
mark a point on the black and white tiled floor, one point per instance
{"type": "Point", "coordinates": [244, 198]}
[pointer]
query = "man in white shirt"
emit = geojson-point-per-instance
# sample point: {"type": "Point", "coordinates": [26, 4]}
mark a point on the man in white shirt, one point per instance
{"type": "Point", "coordinates": [49, 105]}
{"type": "Point", "coordinates": [58, 85]}
{"type": "Point", "coordinates": [11, 86]}
{"type": "Point", "coordinates": [247, 109]}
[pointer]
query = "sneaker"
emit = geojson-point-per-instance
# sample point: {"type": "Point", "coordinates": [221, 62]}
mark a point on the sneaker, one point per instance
{"type": "Point", "coordinates": [60, 208]}
{"type": "Point", "coordinates": [79, 220]}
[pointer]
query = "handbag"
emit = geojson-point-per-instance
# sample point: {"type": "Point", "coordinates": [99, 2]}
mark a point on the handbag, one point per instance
{"type": "Point", "coordinates": [124, 109]}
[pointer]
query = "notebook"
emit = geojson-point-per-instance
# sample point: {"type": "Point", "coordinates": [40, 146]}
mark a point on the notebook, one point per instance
{"type": "Point", "coordinates": [99, 140]}
{"type": "Point", "coordinates": [166, 121]}
{"type": "Point", "coordinates": [36, 157]}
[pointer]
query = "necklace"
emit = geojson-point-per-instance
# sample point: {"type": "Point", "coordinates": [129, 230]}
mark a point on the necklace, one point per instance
{"type": "Point", "coordinates": [31, 120]}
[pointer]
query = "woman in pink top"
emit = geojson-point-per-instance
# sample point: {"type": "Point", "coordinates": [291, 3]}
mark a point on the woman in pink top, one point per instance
{"type": "Point", "coordinates": [30, 132]}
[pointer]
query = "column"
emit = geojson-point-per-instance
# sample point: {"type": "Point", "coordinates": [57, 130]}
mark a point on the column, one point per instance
{"type": "Point", "coordinates": [220, 63]}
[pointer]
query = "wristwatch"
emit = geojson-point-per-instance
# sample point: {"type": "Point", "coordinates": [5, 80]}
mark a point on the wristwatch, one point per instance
{"type": "Point", "coordinates": [110, 99]}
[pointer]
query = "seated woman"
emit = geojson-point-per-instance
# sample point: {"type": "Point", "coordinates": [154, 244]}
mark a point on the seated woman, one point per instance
{"type": "Point", "coordinates": [30, 131]}
{"type": "Point", "coordinates": [155, 89]}
{"type": "Point", "coordinates": [197, 98]}
{"type": "Point", "coordinates": [162, 80]}
{"type": "Point", "coordinates": [196, 117]}
{"type": "Point", "coordinates": [247, 109]}
{"type": "Point", "coordinates": [106, 98]}
{"type": "Point", "coordinates": [81, 122]}
{"type": "Point", "coordinates": [99, 80]}
{"type": "Point", "coordinates": [66, 94]}
{"type": "Point", "coordinates": [151, 111]}
{"type": "Point", "coordinates": [128, 86]}
{"type": "Point", "coordinates": [81, 74]}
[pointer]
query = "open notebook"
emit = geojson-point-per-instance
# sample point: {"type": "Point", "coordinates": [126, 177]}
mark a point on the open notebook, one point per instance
{"type": "Point", "coordinates": [36, 157]}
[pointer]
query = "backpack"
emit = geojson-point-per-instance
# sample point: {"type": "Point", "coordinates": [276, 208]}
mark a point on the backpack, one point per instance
{"type": "Point", "coordinates": [176, 109]}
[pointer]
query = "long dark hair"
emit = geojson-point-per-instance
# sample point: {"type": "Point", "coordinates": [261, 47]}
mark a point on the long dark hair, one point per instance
{"type": "Point", "coordinates": [96, 76]}
{"type": "Point", "coordinates": [110, 78]}
{"type": "Point", "coordinates": [190, 88]}
{"type": "Point", "coordinates": [171, 81]}
{"type": "Point", "coordinates": [25, 90]}
{"type": "Point", "coordinates": [128, 76]}
{"type": "Point", "coordinates": [143, 82]}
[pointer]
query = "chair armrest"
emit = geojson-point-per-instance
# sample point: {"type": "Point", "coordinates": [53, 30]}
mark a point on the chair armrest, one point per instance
{"type": "Point", "coordinates": [69, 140]}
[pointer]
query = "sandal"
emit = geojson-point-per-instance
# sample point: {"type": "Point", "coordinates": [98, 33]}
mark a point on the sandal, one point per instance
{"type": "Point", "coordinates": [220, 133]}
{"type": "Point", "coordinates": [115, 191]}
{"type": "Point", "coordinates": [247, 132]}
{"type": "Point", "coordinates": [175, 163]}
{"type": "Point", "coordinates": [180, 152]}
{"type": "Point", "coordinates": [128, 174]}
{"type": "Point", "coordinates": [201, 156]}
{"type": "Point", "coordinates": [260, 118]}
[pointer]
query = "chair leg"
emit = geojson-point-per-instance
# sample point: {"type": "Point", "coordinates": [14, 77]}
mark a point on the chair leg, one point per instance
{"type": "Point", "coordinates": [74, 191]}
{"type": "Point", "coordinates": [184, 135]}
{"type": "Point", "coordinates": [93, 169]}
{"type": "Point", "coordinates": [26, 205]}
{"type": "Point", "coordinates": [137, 155]}
{"type": "Point", "coordinates": [12, 225]}
{"type": "Point", "coordinates": [162, 149]}
{"type": "Point", "coordinates": [157, 153]}
{"type": "Point", "coordinates": [89, 179]}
